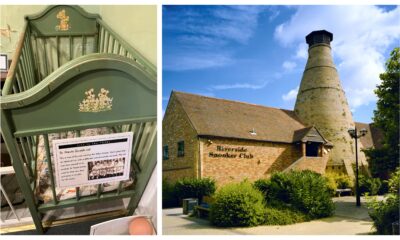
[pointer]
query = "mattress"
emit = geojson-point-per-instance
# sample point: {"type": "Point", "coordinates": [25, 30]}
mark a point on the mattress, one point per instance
{"type": "Point", "coordinates": [43, 189]}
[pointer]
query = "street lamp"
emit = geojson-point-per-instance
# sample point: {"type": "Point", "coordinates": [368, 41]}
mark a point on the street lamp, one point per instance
{"type": "Point", "coordinates": [356, 135]}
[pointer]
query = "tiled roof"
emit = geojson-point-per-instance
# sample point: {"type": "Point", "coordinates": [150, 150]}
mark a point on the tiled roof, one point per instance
{"type": "Point", "coordinates": [232, 119]}
{"type": "Point", "coordinates": [373, 137]}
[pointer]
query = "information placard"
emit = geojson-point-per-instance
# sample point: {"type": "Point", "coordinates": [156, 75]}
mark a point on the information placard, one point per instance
{"type": "Point", "coordinates": [92, 160]}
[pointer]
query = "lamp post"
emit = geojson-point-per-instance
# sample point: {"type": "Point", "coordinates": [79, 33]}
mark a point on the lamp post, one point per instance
{"type": "Point", "coordinates": [356, 135]}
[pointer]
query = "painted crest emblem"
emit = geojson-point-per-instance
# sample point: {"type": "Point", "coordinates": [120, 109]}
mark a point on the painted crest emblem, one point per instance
{"type": "Point", "coordinates": [64, 19]}
{"type": "Point", "coordinates": [91, 103]}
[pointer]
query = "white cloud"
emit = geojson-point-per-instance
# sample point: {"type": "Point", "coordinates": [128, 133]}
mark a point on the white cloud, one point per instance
{"type": "Point", "coordinates": [291, 95]}
{"type": "Point", "coordinates": [202, 36]}
{"type": "Point", "coordinates": [302, 51]}
{"type": "Point", "coordinates": [362, 35]}
{"type": "Point", "coordinates": [289, 65]}
{"type": "Point", "coordinates": [183, 62]}
{"type": "Point", "coordinates": [239, 86]}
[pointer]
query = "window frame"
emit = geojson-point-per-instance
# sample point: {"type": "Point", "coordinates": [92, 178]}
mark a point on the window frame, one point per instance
{"type": "Point", "coordinates": [165, 156]}
{"type": "Point", "coordinates": [181, 152]}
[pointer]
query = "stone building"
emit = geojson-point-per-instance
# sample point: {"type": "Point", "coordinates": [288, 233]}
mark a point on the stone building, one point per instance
{"type": "Point", "coordinates": [230, 141]}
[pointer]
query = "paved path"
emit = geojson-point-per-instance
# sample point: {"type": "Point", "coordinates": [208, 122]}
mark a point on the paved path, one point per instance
{"type": "Point", "coordinates": [347, 220]}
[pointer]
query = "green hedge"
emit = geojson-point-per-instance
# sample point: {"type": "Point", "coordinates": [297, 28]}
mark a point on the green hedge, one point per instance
{"type": "Point", "coordinates": [173, 193]}
{"type": "Point", "coordinates": [237, 205]}
{"type": "Point", "coordinates": [386, 212]}
{"type": "Point", "coordinates": [305, 191]}
{"type": "Point", "coordinates": [169, 197]}
{"type": "Point", "coordinates": [283, 216]}
{"type": "Point", "coordinates": [338, 181]}
{"type": "Point", "coordinates": [368, 185]}
{"type": "Point", "coordinates": [194, 188]}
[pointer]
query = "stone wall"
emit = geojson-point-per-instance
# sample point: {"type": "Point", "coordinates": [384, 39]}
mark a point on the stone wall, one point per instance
{"type": "Point", "coordinates": [177, 127]}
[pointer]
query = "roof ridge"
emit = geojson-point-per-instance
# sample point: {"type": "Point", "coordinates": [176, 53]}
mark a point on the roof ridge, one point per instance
{"type": "Point", "coordinates": [234, 101]}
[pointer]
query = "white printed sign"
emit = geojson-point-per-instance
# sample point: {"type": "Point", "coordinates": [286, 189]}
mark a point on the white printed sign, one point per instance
{"type": "Point", "coordinates": [92, 160]}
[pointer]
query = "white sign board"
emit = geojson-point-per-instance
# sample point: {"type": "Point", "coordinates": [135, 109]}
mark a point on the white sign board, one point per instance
{"type": "Point", "coordinates": [92, 160]}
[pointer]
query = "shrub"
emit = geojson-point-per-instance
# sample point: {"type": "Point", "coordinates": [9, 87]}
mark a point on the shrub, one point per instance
{"type": "Point", "coordinates": [194, 188]}
{"type": "Point", "coordinates": [276, 189]}
{"type": "Point", "coordinates": [384, 189]}
{"type": "Point", "coordinates": [369, 185]}
{"type": "Point", "coordinates": [283, 216]}
{"type": "Point", "coordinates": [262, 185]}
{"type": "Point", "coordinates": [338, 181]}
{"type": "Point", "coordinates": [237, 205]}
{"type": "Point", "coordinates": [305, 191]}
{"type": "Point", "coordinates": [169, 197]}
{"type": "Point", "coordinates": [310, 194]}
{"type": "Point", "coordinates": [386, 212]}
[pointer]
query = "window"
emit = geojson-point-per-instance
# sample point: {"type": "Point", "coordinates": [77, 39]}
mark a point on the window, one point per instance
{"type": "Point", "coordinates": [181, 149]}
{"type": "Point", "coordinates": [165, 153]}
{"type": "Point", "coordinates": [312, 149]}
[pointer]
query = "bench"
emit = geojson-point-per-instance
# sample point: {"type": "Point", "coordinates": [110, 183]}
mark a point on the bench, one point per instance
{"type": "Point", "coordinates": [343, 190]}
{"type": "Point", "coordinates": [202, 211]}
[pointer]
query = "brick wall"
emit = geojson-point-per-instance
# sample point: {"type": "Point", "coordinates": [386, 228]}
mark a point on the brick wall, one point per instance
{"type": "Point", "coordinates": [256, 160]}
{"type": "Point", "coordinates": [177, 127]}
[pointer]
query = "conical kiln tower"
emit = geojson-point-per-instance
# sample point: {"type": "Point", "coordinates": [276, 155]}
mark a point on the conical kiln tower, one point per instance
{"type": "Point", "coordinates": [321, 102]}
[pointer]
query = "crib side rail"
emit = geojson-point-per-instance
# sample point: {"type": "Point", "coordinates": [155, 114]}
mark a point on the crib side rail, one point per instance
{"type": "Point", "coordinates": [21, 75]}
{"type": "Point", "coordinates": [111, 42]}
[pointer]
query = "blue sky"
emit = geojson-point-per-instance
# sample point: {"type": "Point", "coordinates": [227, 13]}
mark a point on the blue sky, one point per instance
{"type": "Point", "coordinates": [257, 54]}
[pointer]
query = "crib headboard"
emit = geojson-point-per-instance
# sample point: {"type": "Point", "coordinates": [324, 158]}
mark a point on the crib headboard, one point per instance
{"type": "Point", "coordinates": [93, 91]}
{"type": "Point", "coordinates": [63, 21]}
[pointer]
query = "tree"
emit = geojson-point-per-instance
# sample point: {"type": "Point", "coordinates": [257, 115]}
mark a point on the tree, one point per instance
{"type": "Point", "coordinates": [384, 161]}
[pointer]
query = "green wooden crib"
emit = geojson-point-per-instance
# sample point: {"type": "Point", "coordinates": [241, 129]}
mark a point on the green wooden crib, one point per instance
{"type": "Point", "coordinates": [73, 76]}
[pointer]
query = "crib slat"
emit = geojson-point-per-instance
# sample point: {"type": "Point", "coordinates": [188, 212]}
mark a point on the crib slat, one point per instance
{"type": "Point", "coordinates": [142, 142]}
{"type": "Point", "coordinates": [95, 42]}
{"type": "Point", "coordinates": [45, 57]}
{"type": "Point", "coordinates": [147, 143]}
{"type": "Point", "coordinates": [118, 48]}
{"type": "Point", "coordinates": [26, 157]}
{"type": "Point", "coordinates": [98, 190]}
{"type": "Point", "coordinates": [101, 40]}
{"type": "Point", "coordinates": [50, 167]}
{"type": "Point", "coordinates": [15, 88]}
{"type": "Point", "coordinates": [29, 65]}
{"type": "Point", "coordinates": [20, 81]}
{"type": "Point", "coordinates": [83, 45]}
{"type": "Point", "coordinates": [77, 193]}
{"type": "Point", "coordinates": [71, 45]}
{"type": "Point", "coordinates": [19, 84]}
{"type": "Point", "coordinates": [32, 58]}
{"type": "Point", "coordinates": [138, 134]}
{"type": "Point", "coordinates": [106, 35]}
{"type": "Point", "coordinates": [37, 59]}
{"type": "Point", "coordinates": [25, 70]}
{"type": "Point", "coordinates": [109, 50]}
{"type": "Point", "coordinates": [112, 46]}
{"type": "Point", "coordinates": [119, 188]}
{"type": "Point", "coordinates": [31, 142]}
{"type": "Point", "coordinates": [58, 50]}
{"type": "Point", "coordinates": [130, 127]}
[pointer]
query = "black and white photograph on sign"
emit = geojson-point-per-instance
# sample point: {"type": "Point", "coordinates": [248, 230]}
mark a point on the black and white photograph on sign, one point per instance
{"type": "Point", "coordinates": [92, 160]}
{"type": "Point", "coordinates": [106, 168]}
